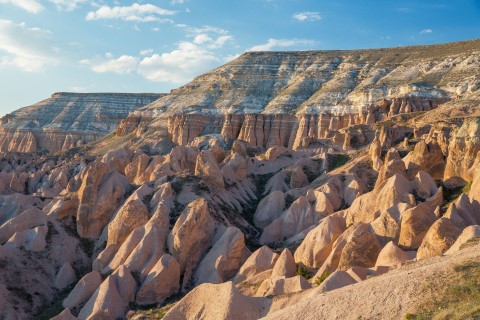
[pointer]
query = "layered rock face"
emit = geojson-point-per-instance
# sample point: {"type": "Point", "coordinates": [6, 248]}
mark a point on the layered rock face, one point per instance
{"type": "Point", "coordinates": [67, 120]}
{"type": "Point", "coordinates": [328, 81]}
{"type": "Point", "coordinates": [292, 131]}
{"type": "Point", "coordinates": [293, 99]}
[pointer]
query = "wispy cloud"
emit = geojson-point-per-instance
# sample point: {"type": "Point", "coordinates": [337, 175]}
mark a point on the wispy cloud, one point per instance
{"type": "Point", "coordinates": [174, 2]}
{"type": "Point", "coordinates": [199, 53]}
{"type": "Point", "coordinates": [203, 29]}
{"type": "Point", "coordinates": [67, 5]}
{"type": "Point", "coordinates": [307, 16]}
{"type": "Point", "coordinates": [177, 66]}
{"type": "Point", "coordinates": [146, 52]}
{"type": "Point", "coordinates": [32, 6]}
{"type": "Point", "coordinates": [426, 31]}
{"type": "Point", "coordinates": [121, 65]}
{"type": "Point", "coordinates": [30, 49]}
{"type": "Point", "coordinates": [272, 44]}
{"type": "Point", "coordinates": [135, 12]}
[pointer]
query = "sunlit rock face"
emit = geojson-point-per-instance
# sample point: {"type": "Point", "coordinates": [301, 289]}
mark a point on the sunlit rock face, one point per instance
{"type": "Point", "coordinates": [398, 80]}
{"type": "Point", "coordinates": [293, 99]}
{"type": "Point", "coordinates": [67, 120]}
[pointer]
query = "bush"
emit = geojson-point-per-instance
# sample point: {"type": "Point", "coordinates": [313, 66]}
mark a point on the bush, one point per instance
{"type": "Point", "coordinates": [323, 277]}
{"type": "Point", "coordinates": [303, 271]}
{"type": "Point", "coordinates": [337, 160]}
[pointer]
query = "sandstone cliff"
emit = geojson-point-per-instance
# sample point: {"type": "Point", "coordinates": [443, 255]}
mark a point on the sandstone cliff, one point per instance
{"type": "Point", "coordinates": [67, 120]}
{"type": "Point", "coordinates": [294, 99]}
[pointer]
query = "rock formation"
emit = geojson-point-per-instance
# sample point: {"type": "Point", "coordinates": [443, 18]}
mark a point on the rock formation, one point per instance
{"type": "Point", "coordinates": [67, 120]}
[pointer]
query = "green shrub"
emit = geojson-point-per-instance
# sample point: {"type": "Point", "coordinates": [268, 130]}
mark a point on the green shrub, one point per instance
{"type": "Point", "coordinates": [323, 277]}
{"type": "Point", "coordinates": [337, 160]}
{"type": "Point", "coordinates": [303, 271]}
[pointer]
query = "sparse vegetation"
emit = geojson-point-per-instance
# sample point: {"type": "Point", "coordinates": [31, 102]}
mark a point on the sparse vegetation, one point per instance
{"type": "Point", "coordinates": [451, 194]}
{"type": "Point", "coordinates": [337, 160]}
{"type": "Point", "coordinates": [303, 271]}
{"type": "Point", "coordinates": [459, 300]}
{"type": "Point", "coordinates": [323, 277]}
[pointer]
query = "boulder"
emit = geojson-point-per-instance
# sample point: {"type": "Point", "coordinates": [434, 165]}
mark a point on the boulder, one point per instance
{"type": "Point", "coordinates": [427, 157]}
{"type": "Point", "coordinates": [361, 251]}
{"type": "Point", "coordinates": [144, 246]}
{"type": "Point", "coordinates": [274, 152]}
{"type": "Point", "coordinates": [133, 213]}
{"type": "Point", "coordinates": [235, 169]}
{"type": "Point", "coordinates": [388, 170]}
{"type": "Point", "coordinates": [28, 219]}
{"type": "Point", "coordinates": [298, 178]}
{"type": "Point", "coordinates": [207, 168]}
{"type": "Point", "coordinates": [99, 195]}
{"type": "Point", "coordinates": [391, 255]}
{"type": "Point", "coordinates": [191, 237]}
{"type": "Point", "coordinates": [469, 233]}
{"type": "Point", "coordinates": [270, 208]}
{"type": "Point", "coordinates": [363, 232]}
{"type": "Point", "coordinates": [261, 260]}
{"type": "Point", "coordinates": [464, 212]}
{"type": "Point", "coordinates": [367, 207]}
{"type": "Point", "coordinates": [285, 265]}
{"type": "Point", "coordinates": [65, 276]}
{"type": "Point", "coordinates": [317, 245]}
{"type": "Point", "coordinates": [112, 297]}
{"type": "Point", "coordinates": [118, 159]}
{"type": "Point", "coordinates": [439, 238]}
{"type": "Point", "coordinates": [302, 214]}
{"type": "Point", "coordinates": [225, 258]}
{"type": "Point", "coordinates": [83, 290]}
{"type": "Point", "coordinates": [336, 280]}
{"type": "Point", "coordinates": [162, 281]}
{"type": "Point", "coordinates": [282, 285]}
{"type": "Point", "coordinates": [424, 185]}
{"type": "Point", "coordinates": [416, 221]}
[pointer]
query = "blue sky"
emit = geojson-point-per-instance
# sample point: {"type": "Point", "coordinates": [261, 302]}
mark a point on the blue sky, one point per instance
{"type": "Point", "coordinates": [157, 45]}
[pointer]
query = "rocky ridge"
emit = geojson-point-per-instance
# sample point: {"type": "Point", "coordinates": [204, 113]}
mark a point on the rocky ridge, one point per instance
{"type": "Point", "coordinates": [67, 120]}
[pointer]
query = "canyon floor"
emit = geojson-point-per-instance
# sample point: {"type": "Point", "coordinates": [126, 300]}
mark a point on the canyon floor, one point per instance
{"type": "Point", "coordinates": [282, 185]}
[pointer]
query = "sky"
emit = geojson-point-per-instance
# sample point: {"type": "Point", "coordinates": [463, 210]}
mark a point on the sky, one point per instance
{"type": "Point", "coordinates": [48, 46]}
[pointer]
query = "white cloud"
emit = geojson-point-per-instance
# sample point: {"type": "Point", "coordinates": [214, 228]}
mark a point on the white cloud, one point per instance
{"type": "Point", "coordinates": [146, 52]}
{"type": "Point", "coordinates": [67, 5]}
{"type": "Point", "coordinates": [220, 42]}
{"type": "Point", "coordinates": [30, 49]}
{"type": "Point", "coordinates": [135, 12]}
{"type": "Point", "coordinates": [122, 65]}
{"type": "Point", "coordinates": [282, 43]}
{"type": "Point", "coordinates": [307, 16]}
{"type": "Point", "coordinates": [202, 38]}
{"type": "Point", "coordinates": [155, 29]}
{"type": "Point", "coordinates": [178, 66]}
{"type": "Point", "coordinates": [426, 31]}
{"type": "Point", "coordinates": [204, 29]}
{"type": "Point", "coordinates": [177, 2]}
{"type": "Point", "coordinates": [32, 6]}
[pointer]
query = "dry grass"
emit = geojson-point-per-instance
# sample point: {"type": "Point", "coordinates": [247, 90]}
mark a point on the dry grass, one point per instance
{"type": "Point", "coordinates": [459, 299]}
